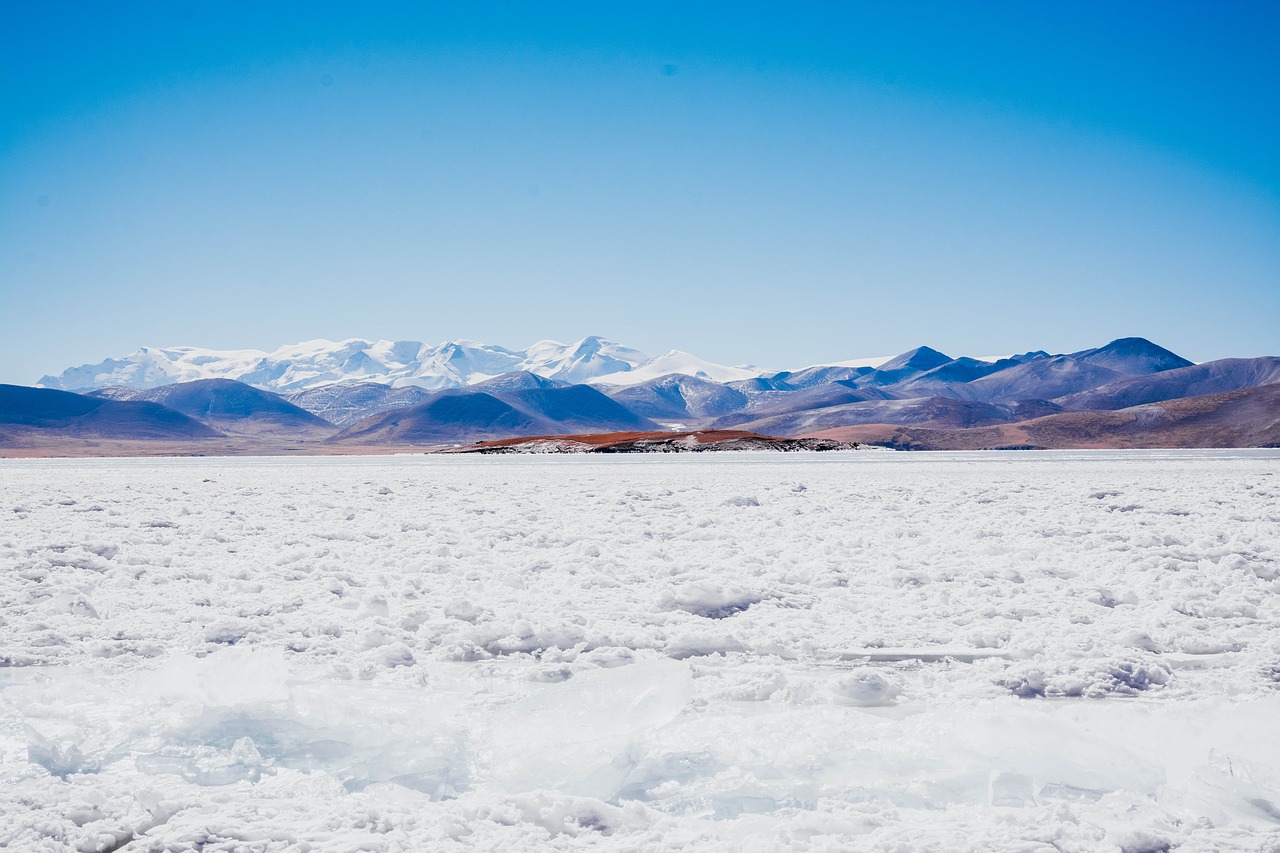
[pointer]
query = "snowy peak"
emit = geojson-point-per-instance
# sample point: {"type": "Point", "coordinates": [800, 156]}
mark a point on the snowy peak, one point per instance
{"type": "Point", "coordinates": [588, 359]}
{"type": "Point", "coordinates": [679, 397]}
{"type": "Point", "coordinates": [676, 361]}
{"type": "Point", "coordinates": [453, 364]}
{"type": "Point", "coordinates": [519, 380]}
{"type": "Point", "coordinates": [321, 362]}
{"type": "Point", "coordinates": [344, 403]}
{"type": "Point", "coordinates": [151, 367]}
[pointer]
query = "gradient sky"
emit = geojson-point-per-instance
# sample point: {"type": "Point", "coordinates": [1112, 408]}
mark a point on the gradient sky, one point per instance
{"type": "Point", "coordinates": [781, 184]}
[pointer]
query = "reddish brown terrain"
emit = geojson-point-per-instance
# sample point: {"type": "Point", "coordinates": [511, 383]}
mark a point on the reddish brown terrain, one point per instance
{"type": "Point", "coordinates": [650, 442]}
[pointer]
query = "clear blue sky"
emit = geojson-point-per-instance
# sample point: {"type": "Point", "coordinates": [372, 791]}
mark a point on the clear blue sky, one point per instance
{"type": "Point", "coordinates": [780, 184]}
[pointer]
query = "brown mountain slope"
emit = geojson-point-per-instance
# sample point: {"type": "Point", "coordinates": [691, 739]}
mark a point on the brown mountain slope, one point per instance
{"type": "Point", "coordinates": [1246, 418]}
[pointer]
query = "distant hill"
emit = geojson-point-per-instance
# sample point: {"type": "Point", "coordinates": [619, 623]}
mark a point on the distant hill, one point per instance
{"type": "Point", "coordinates": [468, 415]}
{"type": "Point", "coordinates": [577, 408]}
{"type": "Point", "coordinates": [1132, 357]}
{"type": "Point", "coordinates": [816, 398]}
{"type": "Point", "coordinates": [1244, 418]}
{"type": "Point", "coordinates": [911, 362]}
{"type": "Point", "coordinates": [675, 397]}
{"type": "Point", "coordinates": [235, 408]}
{"type": "Point", "coordinates": [1041, 379]}
{"type": "Point", "coordinates": [42, 414]}
{"type": "Point", "coordinates": [517, 380]}
{"type": "Point", "coordinates": [928, 411]}
{"type": "Point", "coordinates": [813, 376]}
{"type": "Point", "coordinates": [1212, 377]}
{"type": "Point", "coordinates": [343, 404]}
{"type": "Point", "coordinates": [961, 369]}
{"type": "Point", "coordinates": [902, 368]}
{"type": "Point", "coordinates": [448, 417]}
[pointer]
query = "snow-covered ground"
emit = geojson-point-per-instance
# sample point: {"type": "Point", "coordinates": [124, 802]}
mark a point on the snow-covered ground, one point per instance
{"type": "Point", "coordinates": [866, 651]}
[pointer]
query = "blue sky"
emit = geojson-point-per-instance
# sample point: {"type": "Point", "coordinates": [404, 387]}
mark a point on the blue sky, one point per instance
{"type": "Point", "coordinates": [781, 184]}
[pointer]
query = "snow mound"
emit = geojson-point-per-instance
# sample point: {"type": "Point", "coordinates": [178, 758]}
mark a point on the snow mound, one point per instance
{"type": "Point", "coordinates": [866, 687]}
{"type": "Point", "coordinates": [1124, 675]}
{"type": "Point", "coordinates": [711, 600]}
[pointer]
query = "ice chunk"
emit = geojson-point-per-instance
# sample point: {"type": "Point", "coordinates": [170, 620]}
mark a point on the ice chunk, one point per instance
{"type": "Point", "coordinates": [1012, 789]}
{"type": "Point", "coordinates": [583, 736]}
{"type": "Point", "coordinates": [867, 687]}
{"type": "Point", "coordinates": [713, 600]}
{"type": "Point", "coordinates": [706, 642]}
{"type": "Point", "coordinates": [206, 765]}
{"type": "Point", "coordinates": [61, 757]}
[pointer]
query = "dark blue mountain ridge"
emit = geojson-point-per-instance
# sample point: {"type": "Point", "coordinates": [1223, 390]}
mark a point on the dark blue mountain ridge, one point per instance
{"type": "Point", "coordinates": [676, 397]}
{"type": "Point", "coordinates": [808, 399]}
{"type": "Point", "coordinates": [1211, 377]}
{"type": "Point", "coordinates": [922, 411]}
{"type": "Point", "coordinates": [24, 410]}
{"type": "Point", "coordinates": [450, 416]}
{"type": "Point", "coordinates": [811, 376]}
{"type": "Point", "coordinates": [463, 415]}
{"type": "Point", "coordinates": [761, 383]}
{"type": "Point", "coordinates": [909, 365]}
{"type": "Point", "coordinates": [919, 359]}
{"type": "Point", "coordinates": [344, 403]}
{"type": "Point", "coordinates": [235, 407]}
{"type": "Point", "coordinates": [578, 408]}
{"type": "Point", "coordinates": [1132, 356]}
{"type": "Point", "coordinates": [517, 380]}
{"type": "Point", "coordinates": [1040, 379]}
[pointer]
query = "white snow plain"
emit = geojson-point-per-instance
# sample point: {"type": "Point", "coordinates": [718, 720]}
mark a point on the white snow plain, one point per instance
{"type": "Point", "coordinates": [845, 651]}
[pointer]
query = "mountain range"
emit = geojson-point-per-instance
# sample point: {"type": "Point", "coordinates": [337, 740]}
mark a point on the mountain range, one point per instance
{"type": "Point", "coordinates": [327, 397]}
{"type": "Point", "coordinates": [453, 364]}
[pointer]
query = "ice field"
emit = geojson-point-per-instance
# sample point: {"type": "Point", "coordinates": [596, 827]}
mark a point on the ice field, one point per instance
{"type": "Point", "coordinates": [1016, 651]}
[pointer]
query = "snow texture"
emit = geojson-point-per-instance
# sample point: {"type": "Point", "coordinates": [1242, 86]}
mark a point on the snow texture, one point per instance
{"type": "Point", "coordinates": [887, 652]}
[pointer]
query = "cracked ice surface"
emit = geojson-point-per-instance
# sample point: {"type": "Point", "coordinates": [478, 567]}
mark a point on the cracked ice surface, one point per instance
{"type": "Point", "coordinates": [873, 651]}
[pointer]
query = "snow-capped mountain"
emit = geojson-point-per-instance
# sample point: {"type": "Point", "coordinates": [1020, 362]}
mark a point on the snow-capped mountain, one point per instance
{"type": "Point", "coordinates": [312, 364]}
{"type": "Point", "coordinates": [151, 367]}
{"type": "Point", "coordinates": [588, 359]}
{"type": "Point", "coordinates": [675, 361]}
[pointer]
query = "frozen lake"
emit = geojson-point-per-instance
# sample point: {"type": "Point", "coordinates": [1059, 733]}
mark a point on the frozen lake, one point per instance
{"type": "Point", "coordinates": [1025, 651]}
